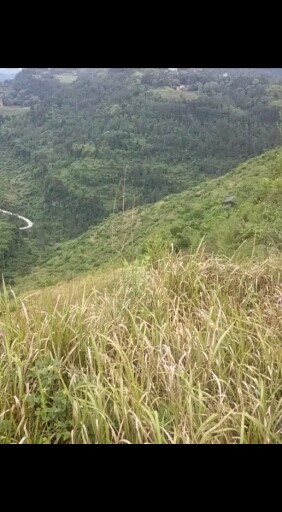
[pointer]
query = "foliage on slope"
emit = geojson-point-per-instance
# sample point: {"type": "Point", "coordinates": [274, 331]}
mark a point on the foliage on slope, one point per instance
{"type": "Point", "coordinates": [254, 223]}
{"type": "Point", "coordinates": [185, 351]}
{"type": "Point", "coordinates": [65, 162]}
{"type": "Point", "coordinates": [17, 251]}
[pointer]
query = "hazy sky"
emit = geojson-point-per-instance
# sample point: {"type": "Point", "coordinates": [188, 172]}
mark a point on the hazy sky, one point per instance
{"type": "Point", "coordinates": [9, 70]}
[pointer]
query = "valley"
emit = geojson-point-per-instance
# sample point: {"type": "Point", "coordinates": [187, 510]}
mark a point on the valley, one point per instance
{"type": "Point", "coordinates": [140, 256]}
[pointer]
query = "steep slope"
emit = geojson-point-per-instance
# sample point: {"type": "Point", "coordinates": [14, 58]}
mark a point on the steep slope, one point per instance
{"type": "Point", "coordinates": [183, 220]}
{"type": "Point", "coordinates": [65, 162]}
{"type": "Point", "coordinates": [185, 352]}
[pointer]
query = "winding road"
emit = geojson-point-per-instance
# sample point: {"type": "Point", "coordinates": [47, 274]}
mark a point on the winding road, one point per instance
{"type": "Point", "coordinates": [28, 222]}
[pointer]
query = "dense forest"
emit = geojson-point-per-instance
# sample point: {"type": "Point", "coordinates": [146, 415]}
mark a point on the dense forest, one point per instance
{"type": "Point", "coordinates": [76, 145]}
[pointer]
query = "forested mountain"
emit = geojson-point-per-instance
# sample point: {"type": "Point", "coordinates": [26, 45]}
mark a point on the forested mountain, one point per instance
{"type": "Point", "coordinates": [152, 204]}
{"type": "Point", "coordinates": [76, 145]}
{"type": "Point", "coordinates": [248, 224]}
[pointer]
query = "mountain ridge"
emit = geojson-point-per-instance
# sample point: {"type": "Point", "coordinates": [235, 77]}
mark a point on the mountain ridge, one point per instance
{"type": "Point", "coordinates": [81, 145]}
{"type": "Point", "coordinates": [252, 226]}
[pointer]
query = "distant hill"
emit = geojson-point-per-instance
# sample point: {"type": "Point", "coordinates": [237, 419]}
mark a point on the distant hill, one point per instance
{"type": "Point", "coordinates": [158, 131]}
{"type": "Point", "coordinates": [271, 72]}
{"type": "Point", "coordinates": [276, 72]}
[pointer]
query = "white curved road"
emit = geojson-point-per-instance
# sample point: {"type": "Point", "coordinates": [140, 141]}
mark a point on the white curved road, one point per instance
{"type": "Point", "coordinates": [28, 222]}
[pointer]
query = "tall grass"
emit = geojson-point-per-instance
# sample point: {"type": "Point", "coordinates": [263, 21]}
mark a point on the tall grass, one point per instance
{"type": "Point", "coordinates": [188, 350]}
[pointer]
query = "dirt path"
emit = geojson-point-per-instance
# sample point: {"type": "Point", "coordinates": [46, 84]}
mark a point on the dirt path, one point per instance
{"type": "Point", "coordinates": [28, 222]}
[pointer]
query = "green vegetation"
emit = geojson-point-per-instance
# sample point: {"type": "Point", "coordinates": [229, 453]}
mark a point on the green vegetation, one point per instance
{"type": "Point", "coordinates": [67, 78]}
{"type": "Point", "coordinates": [81, 142]}
{"type": "Point", "coordinates": [252, 226]}
{"type": "Point", "coordinates": [67, 162]}
{"type": "Point", "coordinates": [168, 93]}
{"type": "Point", "coordinates": [185, 351]}
{"type": "Point", "coordinates": [160, 230]}
{"type": "Point", "coordinates": [17, 252]}
{"type": "Point", "coordinates": [8, 238]}
{"type": "Point", "coordinates": [275, 91]}
{"type": "Point", "coordinates": [13, 110]}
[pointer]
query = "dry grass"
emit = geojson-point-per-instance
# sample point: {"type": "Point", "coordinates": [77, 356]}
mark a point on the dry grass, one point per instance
{"type": "Point", "coordinates": [187, 350]}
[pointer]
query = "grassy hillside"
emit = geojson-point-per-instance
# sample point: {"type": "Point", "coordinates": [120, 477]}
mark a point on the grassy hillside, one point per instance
{"type": "Point", "coordinates": [145, 306]}
{"type": "Point", "coordinates": [185, 351]}
{"type": "Point", "coordinates": [64, 163]}
{"type": "Point", "coordinates": [254, 224]}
